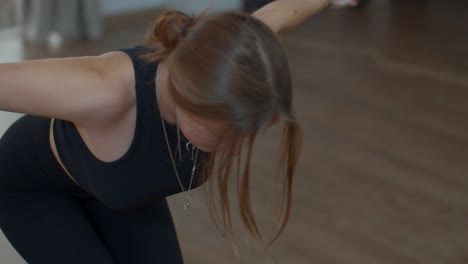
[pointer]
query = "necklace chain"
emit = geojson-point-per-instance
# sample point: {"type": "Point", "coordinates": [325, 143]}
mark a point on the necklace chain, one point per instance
{"type": "Point", "coordinates": [187, 196]}
{"type": "Point", "coordinates": [187, 199]}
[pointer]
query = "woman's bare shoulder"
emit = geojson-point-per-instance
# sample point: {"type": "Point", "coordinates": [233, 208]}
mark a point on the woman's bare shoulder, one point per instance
{"type": "Point", "coordinates": [116, 67]}
{"type": "Point", "coordinates": [117, 64]}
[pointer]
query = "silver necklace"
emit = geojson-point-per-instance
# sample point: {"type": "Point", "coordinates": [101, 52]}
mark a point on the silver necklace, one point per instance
{"type": "Point", "coordinates": [187, 199]}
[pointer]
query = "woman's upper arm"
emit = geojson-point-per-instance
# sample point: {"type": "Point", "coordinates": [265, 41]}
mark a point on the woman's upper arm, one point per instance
{"type": "Point", "coordinates": [284, 14]}
{"type": "Point", "coordinates": [271, 16]}
{"type": "Point", "coordinates": [85, 90]}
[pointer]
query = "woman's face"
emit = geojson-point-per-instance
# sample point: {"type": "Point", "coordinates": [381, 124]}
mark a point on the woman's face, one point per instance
{"type": "Point", "coordinates": [204, 134]}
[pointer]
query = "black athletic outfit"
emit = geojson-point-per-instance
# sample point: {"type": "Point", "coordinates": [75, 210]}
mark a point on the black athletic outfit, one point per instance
{"type": "Point", "coordinates": [117, 214]}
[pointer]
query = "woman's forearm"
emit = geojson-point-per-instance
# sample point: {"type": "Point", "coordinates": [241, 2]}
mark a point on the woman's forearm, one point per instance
{"type": "Point", "coordinates": [283, 14]}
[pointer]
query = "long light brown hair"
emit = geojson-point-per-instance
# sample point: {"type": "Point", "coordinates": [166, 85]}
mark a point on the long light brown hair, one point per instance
{"type": "Point", "coordinates": [230, 67]}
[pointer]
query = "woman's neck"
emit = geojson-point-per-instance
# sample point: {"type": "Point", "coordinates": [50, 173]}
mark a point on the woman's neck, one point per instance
{"type": "Point", "coordinates": [166, 104]}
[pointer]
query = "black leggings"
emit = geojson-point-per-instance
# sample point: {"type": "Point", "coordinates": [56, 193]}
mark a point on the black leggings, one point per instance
{"type": "Point", "coordinates": [49, 219]}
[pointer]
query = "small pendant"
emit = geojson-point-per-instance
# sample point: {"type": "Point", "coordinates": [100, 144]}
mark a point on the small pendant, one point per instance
{"type": "Point", "coordinates": [187, 146]}
{"type": "Point", "coordinates": [187, 202]}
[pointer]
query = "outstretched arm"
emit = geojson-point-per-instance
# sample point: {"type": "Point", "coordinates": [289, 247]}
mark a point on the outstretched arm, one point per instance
{"type": "Point", "coordinates": [283, 14]}
{"type": "Point", "coordinates": [81, 89]}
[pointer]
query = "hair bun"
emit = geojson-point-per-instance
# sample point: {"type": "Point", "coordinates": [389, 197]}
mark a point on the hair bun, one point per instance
{"type": "Point", "coordinates": [168, 30]}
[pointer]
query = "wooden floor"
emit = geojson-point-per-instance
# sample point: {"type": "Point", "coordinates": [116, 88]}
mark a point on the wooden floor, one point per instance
{"type": "Point", "coordinates": [382, 94]}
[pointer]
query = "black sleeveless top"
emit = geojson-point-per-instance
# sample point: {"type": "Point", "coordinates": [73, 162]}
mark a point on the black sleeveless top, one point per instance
{"type": "Point", "coordinates": [145, 172]}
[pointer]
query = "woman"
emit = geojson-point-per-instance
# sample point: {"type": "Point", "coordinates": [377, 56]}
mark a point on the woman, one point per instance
{"type": "Point", "coordinates": [85, 173]}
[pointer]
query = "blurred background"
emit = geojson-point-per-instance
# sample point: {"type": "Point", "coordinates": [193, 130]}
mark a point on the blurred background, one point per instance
{"type": "Point", "coordinates": [382, 93]}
